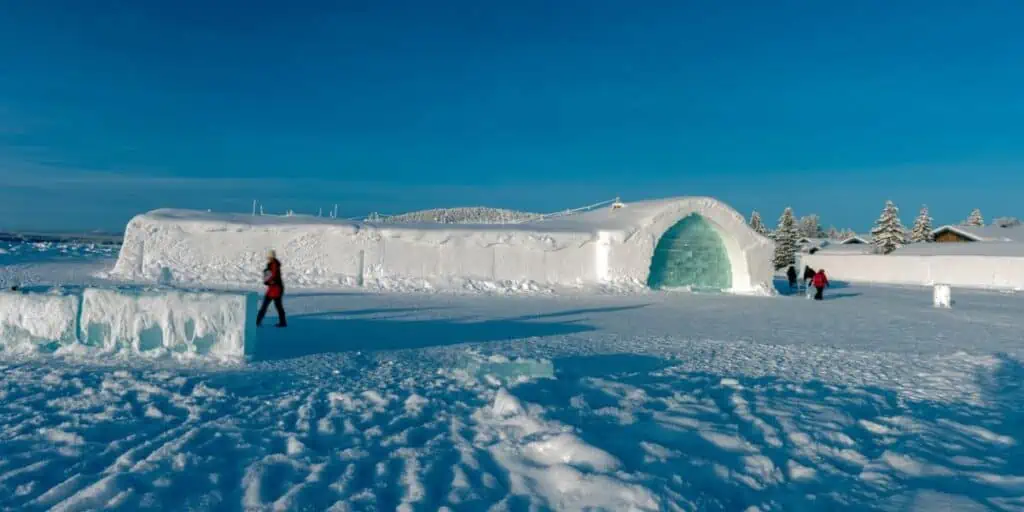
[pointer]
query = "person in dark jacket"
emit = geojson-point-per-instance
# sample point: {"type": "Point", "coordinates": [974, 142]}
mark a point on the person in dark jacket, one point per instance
{"type": "Point", "coordinates": [791, 275]}
{"type": "Point", "coordinates": [275, 290]}
{"type": "Point", "coordinates": [808, 275]}
{"type": "Point", "coordinates": [819, 282]}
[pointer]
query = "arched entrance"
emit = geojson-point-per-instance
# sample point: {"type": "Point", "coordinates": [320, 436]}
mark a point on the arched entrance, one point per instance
{"type": "Point", "coordinates": [691, 254]}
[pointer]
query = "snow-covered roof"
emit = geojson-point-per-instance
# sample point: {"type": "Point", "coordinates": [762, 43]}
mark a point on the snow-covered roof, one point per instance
{"type": "Point", "coordinates": [459, 215]}
{"type": "Point", "coordinates": [865, 248]}
{"type": "Point", "coordinates": [862, 238]}
{"type": "Point", "coordinates": [1005, 249]}
{"type": "Point", "coordinates": [985, 233]}
{"type": "Point", "coordinates": [818, 242]}
{"type": "Point", "coordinates": [625, 219]}
{"type": "Point", "coordinates": [301, 221]}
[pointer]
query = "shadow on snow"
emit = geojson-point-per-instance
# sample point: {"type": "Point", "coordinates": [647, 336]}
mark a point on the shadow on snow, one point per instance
{"type": "Point", "coordinates": [346, 331]}
{"type": "Point", "coordinates": [801, 446]}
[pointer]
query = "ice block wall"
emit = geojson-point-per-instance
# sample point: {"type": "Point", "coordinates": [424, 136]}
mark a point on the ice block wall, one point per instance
{"type": "Point", "coordinates": [154, 323]}
{"type": "Point", "coordinates": [33, 322]}
{"type": "Point", "coordinates": [167, 322]}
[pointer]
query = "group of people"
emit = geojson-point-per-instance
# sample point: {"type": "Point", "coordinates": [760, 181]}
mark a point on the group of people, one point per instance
{"type": "Point", "coordinates": [816, 279]}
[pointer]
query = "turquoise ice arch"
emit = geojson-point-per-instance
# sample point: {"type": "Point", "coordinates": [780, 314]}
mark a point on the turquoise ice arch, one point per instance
{"type": "Point", "coordinates": [691, 254]}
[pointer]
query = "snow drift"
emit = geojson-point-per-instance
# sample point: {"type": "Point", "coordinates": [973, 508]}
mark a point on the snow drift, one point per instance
{"type": "Point", "coordinates": [599, 246]}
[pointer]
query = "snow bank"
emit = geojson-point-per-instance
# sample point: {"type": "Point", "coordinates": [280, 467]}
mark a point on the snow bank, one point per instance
{"type": "Point", "coordinates": [30, 322]}
{"type": "Point", "coordinates": [996, 272]}
{"type": "Point", "coordinates": [167, 323]}
{"type": "Point", "coordinates": [596, 247]}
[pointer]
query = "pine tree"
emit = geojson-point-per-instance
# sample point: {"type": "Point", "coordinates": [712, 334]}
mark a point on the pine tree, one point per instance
{"type": "Point", "coordinates": [756, 224]}
{"type": "Point", "coordinates": [1006, 222]}
{"type": "Point", "coordinates": [888, 233]}
{"type": "Point", "coordinates": [833, 233]}
{"type": "Point", "coordinates": [785, 240]}
{"type": "Point", "coordinates": [975, 219]}
{"type": "Point", "coordinates": [922, 231]}
{"type": "Point", "coordinates": [810, 227]}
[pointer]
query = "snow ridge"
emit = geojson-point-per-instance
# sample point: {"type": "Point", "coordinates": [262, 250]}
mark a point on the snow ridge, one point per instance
{"type": "Point", "coordinates": [461, 215]}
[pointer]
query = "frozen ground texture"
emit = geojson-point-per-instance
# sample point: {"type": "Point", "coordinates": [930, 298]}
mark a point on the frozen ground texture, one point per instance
{"type": "Point", "coordinates": [12, 253]}
{"type": "Point", "coordinates": [870, 400]}
{"type": "Point", "coordinates": [24, 263]}
{"type": "Point", "coordinates": [599, 248]}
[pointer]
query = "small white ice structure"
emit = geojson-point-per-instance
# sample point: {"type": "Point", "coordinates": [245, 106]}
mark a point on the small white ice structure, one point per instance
{"type": "Point", "coordinates": [608, 245]}
{"type": "Point", "coordinates": [30, 322]}
{"type": "Point", "coordinates": [942, 296]}
{"type": "Point", "coordinates": [175, 322]}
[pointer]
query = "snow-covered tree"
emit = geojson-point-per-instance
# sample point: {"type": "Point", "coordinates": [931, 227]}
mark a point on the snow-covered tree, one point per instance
{"type": "Point", "coordinates": [833, 233]}
{"type": "Point", "coordinates": [888, 233]}
{"type": "Point", "coordinates": [756, 224]}
{"type": "Point", "coordinates": [810, 227]}
{"type": "Point", "coordinates": [785, 240]}
{"type": "Point", "coordinates": [975, 218]}
{"type": "Point", "coordinates": [922, 231]}
{"type": "Point", "coordinates": [1006, 222]}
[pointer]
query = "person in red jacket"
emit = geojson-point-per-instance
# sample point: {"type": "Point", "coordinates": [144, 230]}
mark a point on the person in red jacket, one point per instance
{"type": "Point", "coordinates": [819, 282]}
{"type": "Point", "coordinates": [275, 290]}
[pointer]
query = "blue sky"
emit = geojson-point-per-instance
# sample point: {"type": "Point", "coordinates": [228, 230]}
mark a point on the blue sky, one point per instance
{"type": "Point", "coordinates": [110, 108]}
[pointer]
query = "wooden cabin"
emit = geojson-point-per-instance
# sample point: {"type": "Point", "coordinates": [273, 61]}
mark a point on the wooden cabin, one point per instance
{"type": "Point", "coordinates": [961, 234]}
{"type": "Point", "coordinates": [950, 235]}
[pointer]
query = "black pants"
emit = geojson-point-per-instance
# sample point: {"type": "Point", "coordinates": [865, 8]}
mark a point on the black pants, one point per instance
{"type": "Point", "coordinates": [277, 305]}
{"type": "Point", "coordinates": [817, 296]}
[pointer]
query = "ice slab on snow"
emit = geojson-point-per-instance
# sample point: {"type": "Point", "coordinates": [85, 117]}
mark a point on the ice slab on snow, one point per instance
{"type": "Point", "coordinates": [161, 322]}
{"type": "Point", "coordinates": [499, 370]}
{"type": "Point", "coordinates": [33, 321]}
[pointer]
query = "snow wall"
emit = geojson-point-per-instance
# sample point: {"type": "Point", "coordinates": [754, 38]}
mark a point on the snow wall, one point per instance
{"type": "Point", "coordinates": [600, 246]}
{"type": "Point", "coordinates": [994, 272]}
{"type": "Point", "coordinates": [155, 324]}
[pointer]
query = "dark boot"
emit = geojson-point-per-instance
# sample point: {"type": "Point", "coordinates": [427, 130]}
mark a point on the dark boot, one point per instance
{"type": "Point", "coordinates": [281, 320]}
{"type": "Point", "coordinates": [263, 311]}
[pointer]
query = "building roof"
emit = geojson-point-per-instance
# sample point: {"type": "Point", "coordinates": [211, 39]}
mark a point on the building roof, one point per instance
{"type": "Point", "coordinates": [865, 248]}
{"type": "Point", "coordinates": [984, 233]}
{"type": "Point", "coordinates": [1002, 249]}
{"type": "Point", "coordinates": [814, 242]}
{"type": "Point", "coordinates": [863, 238]}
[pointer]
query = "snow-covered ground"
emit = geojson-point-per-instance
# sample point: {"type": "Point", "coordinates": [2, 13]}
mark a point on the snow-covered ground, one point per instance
{"type": "Point", "coordinates": [26, 262]}
{"type": "Point", "coordinates": [870, 400]}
